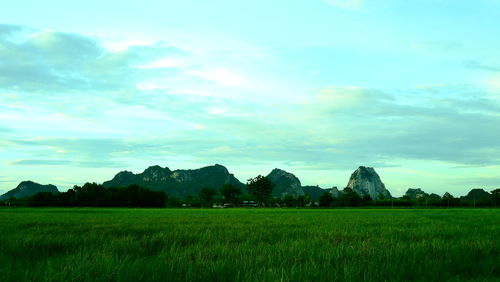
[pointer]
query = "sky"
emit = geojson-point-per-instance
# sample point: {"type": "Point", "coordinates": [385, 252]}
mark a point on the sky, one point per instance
{"type": "Point", "coordinates": [314, 87]}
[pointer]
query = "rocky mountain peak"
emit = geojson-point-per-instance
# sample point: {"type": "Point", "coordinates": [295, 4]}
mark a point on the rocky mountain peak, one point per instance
{"type": "Point", "coordinates": [124, 176]}
{"type": "Point", "coordinates": [25, 185]}
{"type": "Point", "coordinates": [415, 193]}
{"type": "Point", "coordinates": [476, 194]}
{"type": "Point", "coordinates": [220, 168]}
{"type": "Point", "coordinates": [155, 173]}
{"type": "Point", "coordinates": [212, 169]}
{"type": "Point", "coordinates": [29, 188]}
{"type": "Point", "coordinates": [447, 195]}
{"type": "Point", "coordinates": [365, 180]}
{"type": "Point", "coordinates": [156, 169]}
{"type": "Point", "coordinates": [285, 183]}
{"type": "Point", "coordinates": [335, 191]}
{"type": "Point", "coordinates": [124, 173]}
{"type": "Point", "coordinates": [281, 173]}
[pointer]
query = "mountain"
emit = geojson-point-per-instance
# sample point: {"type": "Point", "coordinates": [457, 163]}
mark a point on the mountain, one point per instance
{"type": "Point", "coordinates": [415, 193]}
{"type": "Point", "coordinates": [434, 196]}
{"type": "Point", "coordinates": [365, 180]}
{"type": "Point", "coordinates": [178, 183]}
{"type": "Point", "coordinates": [476, 194]}
{"type": "Point", "coordinates": [447, 196]}
{"type": "Point", "coordinates": [314, 191]}
{"type": "Point", "coordinates": [285, 183]}
{"type": "Point", "coordinates": [29, 188]}
{"type": "Point", "coordinates": [335, 192]}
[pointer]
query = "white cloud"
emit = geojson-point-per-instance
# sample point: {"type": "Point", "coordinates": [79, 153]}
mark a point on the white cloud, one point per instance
{"type": "Point", "coordinates": [164, 63]}
{"type": "Point", "coordinates": [492, 83]}
{"type": "Point", "coordinates": [221, 76]}
{"type": "Point", "coordinates": [227, 111]}
{"type": "Point", "coordinates": [124, 44]}
{"type": "Point", "coordinates": [351, 98]}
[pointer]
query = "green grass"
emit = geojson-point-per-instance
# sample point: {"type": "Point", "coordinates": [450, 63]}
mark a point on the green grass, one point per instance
{"type": "Point", "coordinates": [72, 244]}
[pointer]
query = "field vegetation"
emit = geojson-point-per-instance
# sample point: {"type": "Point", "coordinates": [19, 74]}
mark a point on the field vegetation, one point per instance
{"type": "Point", "coordinates": [281, 244]}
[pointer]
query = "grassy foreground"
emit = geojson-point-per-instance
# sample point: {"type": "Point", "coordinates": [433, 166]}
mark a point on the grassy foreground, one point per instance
{"type": "Point", "coordinates": [249, 245]}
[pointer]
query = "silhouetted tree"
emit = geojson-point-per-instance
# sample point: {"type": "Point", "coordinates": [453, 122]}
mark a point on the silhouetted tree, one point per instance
{"type": "Point", "coordinates": [350, 198]}
{"type": "Point", "coordinates": [95, 195]}
{"type": "Point", "coordinates": [174, 202]}
{"type": "Point", "coordinates": [326, 199]}
{"type": "Point", "coordinates": [495, 197]}
{"type": "Point", "coordinates": [434, 200]}
{"type": "Point", "coordinates": [260, 187]}
{"type": "Point", "coordinates": [66, 199]}
{"type": "Point", "coordinates": [450, 201]}
{"type": "Point", "coordinates": [289, 200]}
{"type": "Point", "coordinates": [303, 201]}
{"type": "Point", "coordinates": [230, 193]}
{"type": "Point", "coordinates": [42, 199]}
{"type": "Point", "coordinates": [366, 200]}
{"type": "Point", "coordinates": [206, 195]}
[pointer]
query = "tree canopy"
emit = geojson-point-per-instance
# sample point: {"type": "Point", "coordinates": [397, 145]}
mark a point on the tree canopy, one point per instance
{"type": "Point", "coordinates": [260, 187]}
{"type": "Point", "coordinates": [95, 195]}
{"type": "Point", "coordinates": [230, 193]}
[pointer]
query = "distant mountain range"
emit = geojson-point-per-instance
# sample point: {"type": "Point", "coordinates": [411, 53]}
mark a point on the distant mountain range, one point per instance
{"type": "Point", "coordinates": [177, 183]}
{"type": "Point", "coordinates": [182, 183]}
{"type": "Point", "coordinates": [29, 188]}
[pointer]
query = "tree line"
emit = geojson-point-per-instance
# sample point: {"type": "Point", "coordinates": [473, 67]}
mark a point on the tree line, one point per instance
{"type": "Point", "coordinates": [96, 195]}
{"type": "Point", "coordinates": [349, 198]}
{"type": "Point", "coordinates": [258, 190]}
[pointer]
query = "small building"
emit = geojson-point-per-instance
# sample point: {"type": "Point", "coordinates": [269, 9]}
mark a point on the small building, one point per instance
{"type": "Point", "coordinates": [249, 204]}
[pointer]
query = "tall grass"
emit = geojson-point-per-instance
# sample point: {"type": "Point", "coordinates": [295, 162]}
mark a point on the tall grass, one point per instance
{"type": "Point", "coordinates": [248, 245]}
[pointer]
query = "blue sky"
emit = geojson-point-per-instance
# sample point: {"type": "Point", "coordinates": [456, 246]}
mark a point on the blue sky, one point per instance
{"type": "Point", "coordinates": [317, 88]}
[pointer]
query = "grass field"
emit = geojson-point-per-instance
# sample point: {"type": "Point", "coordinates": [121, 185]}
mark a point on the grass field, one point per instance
{"type": "Point", "coordinates": [249, 244]}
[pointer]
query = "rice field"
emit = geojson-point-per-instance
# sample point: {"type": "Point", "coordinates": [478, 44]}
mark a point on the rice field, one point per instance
{"type": "Point", "coordinates": [91, 244]}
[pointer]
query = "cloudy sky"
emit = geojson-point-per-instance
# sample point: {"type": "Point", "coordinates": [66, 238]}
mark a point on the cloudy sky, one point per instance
{"type": "Point", "coordinates": [412, 88]}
